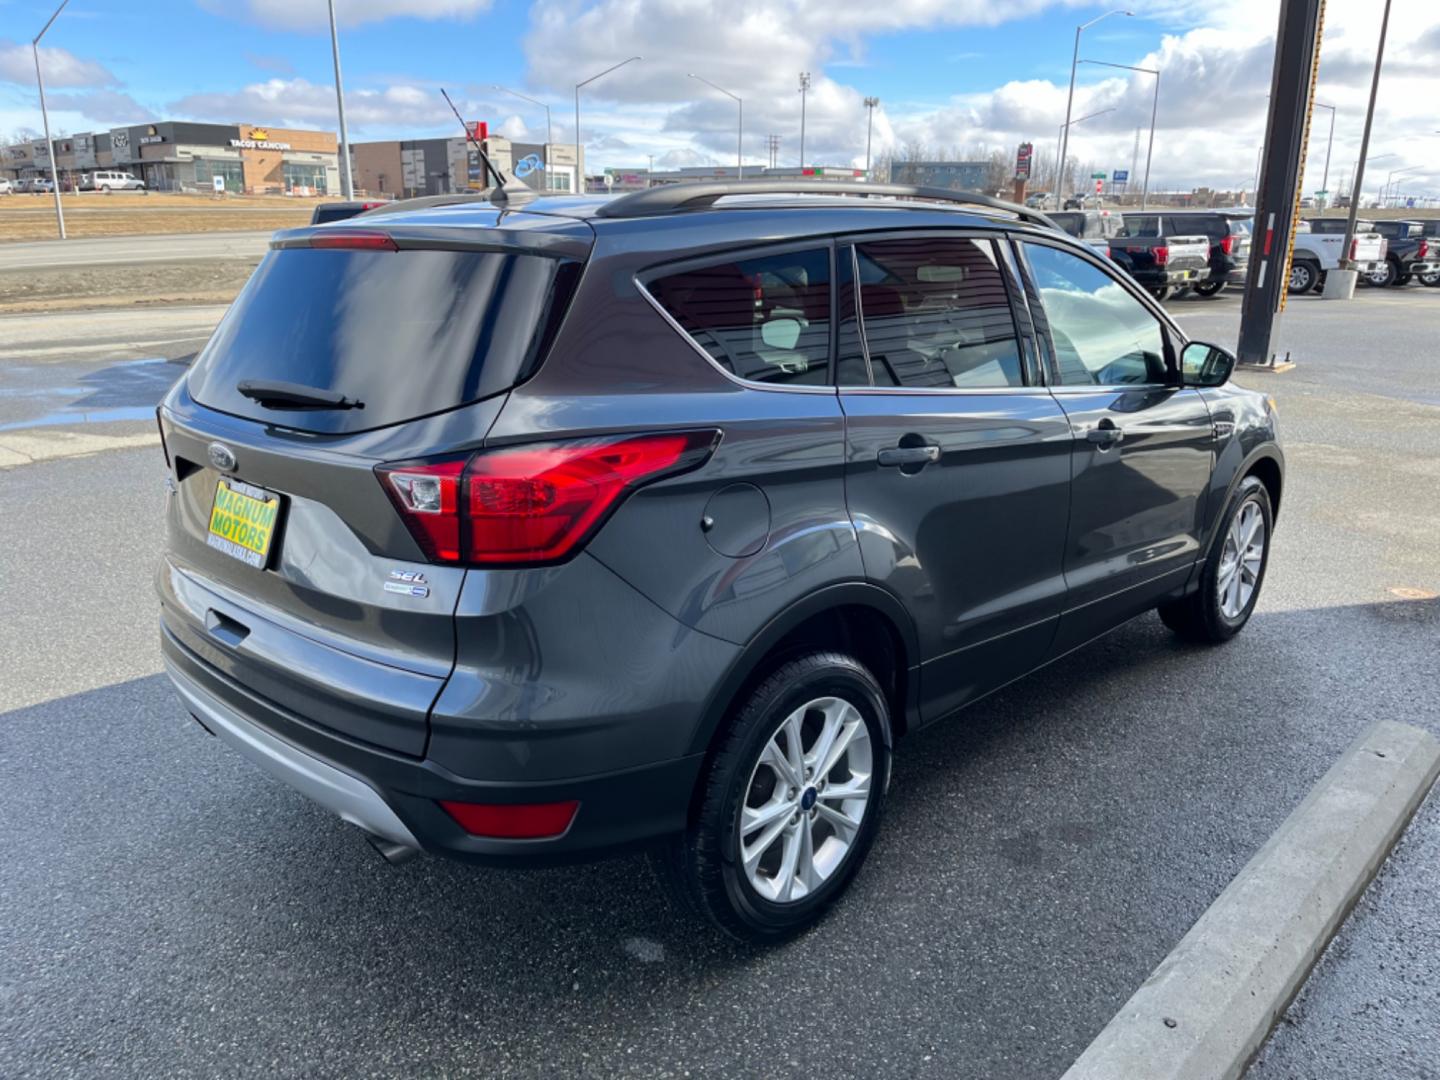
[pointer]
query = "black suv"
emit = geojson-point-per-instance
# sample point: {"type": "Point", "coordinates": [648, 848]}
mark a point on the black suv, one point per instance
{"type": "Point", "coordinates": [522, 534]}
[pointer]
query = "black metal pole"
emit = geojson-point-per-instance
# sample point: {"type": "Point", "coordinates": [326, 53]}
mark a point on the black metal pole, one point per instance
{"type": "Point", "coordinates": [1297, 46]}
{"type": "Point", "coordinates": [1345, 262]}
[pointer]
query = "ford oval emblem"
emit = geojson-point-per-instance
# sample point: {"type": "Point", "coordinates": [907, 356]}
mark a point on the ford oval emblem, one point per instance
{"type": "Point", "coordinates": [222, 457]}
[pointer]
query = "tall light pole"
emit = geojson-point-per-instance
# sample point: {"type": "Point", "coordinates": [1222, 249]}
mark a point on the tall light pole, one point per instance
{"type": "Point", "coordinates": [549, 130]}
{"type": "Point", "coordinates": [1385, 191]}
{"type": "Point", "coordinates": [804, 90]}
{"type": "Point", "coordinates": [1154, 106]}
{"type": "Point", "coordinates": [579, 167]}
{"type": "Point", "coordinates": [1061, 134]}
{"type": "Point", "coordinates": [1070, 101]}
{"type": "Point", "coordinates": [739, 124]}
{"type": "Point", "coordinates": [1329, 145]}
{"type": "Point", "coordinates": [1355, 185]}
{"type": "Point", "coordinates": [870, 103]}
{"type": "Point", "coordinates": [45, 119]}
{"type": "Point", "coordinates": [347, 182]}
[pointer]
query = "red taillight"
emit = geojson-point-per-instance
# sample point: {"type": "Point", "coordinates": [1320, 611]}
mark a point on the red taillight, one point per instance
{"type": "Point", "coordinates": [531, 504]}
{"type": "Point", "coordinates": [428, 498]}
{"type": "Point", "coordinates": [516, 821]}
{"type": "Point", "coordinates": [1354, 248]}
{"type": "Point", "coordinates": [1422, 250]}
{"type": "Point", "coordinates": [353, 240]}
{"type": "Point", "coordinates": [1227, 245]}
{"type": "Point", "coordinates": [1162, 256]}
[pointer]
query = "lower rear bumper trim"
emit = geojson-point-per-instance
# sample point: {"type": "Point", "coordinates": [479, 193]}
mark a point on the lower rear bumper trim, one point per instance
{"type": "Point", "coordinates": [339, 791]}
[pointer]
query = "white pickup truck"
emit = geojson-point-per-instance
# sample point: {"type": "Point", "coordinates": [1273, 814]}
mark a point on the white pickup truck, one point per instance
{"type": "Point", "coordinates": [1316, 253]}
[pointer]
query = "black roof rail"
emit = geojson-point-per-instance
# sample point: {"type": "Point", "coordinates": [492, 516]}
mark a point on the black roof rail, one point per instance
{"type": "Point", "coordinates": [673, 198]}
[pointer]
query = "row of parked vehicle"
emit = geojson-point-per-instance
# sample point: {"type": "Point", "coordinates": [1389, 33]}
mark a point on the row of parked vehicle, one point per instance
{"type": "Point", "coordinates": [103, 180]}
{"type": "Point", "coordinates": [1174, 252]}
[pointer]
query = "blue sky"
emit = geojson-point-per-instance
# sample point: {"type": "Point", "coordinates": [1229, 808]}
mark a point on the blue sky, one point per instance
{"type": "Point", "coordinates": [959, 76]}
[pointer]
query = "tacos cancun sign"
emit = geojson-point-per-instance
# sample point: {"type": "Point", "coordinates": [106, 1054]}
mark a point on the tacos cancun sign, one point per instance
{"type": "Point", "coordinates": [258, 139]}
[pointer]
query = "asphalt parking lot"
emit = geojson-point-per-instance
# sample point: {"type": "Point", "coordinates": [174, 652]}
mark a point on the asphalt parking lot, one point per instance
{"type": "Point", "coordinates": [166, 910]}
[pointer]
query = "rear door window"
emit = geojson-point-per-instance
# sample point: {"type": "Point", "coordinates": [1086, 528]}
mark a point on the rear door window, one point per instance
{"type": "Point", "coordinates": [763, 318]}
{"type": "Point", "coordinates": [936, 313]}
{"type": "Point", "coordinates": [407, 333]}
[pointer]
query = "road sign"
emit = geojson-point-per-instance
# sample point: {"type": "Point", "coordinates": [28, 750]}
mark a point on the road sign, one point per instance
{"type": "Point", "coordinates": [218, 182]}
{"type": "Point", "coordinates": [1121, 175]}
{"type": "Point", "coordinates": [1097, 176]}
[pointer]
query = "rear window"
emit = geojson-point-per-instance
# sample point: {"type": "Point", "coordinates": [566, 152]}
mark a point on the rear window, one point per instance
{"type": "Point", "coordinates": [764, 318]}
{"type": "Point", "coordinates": [408, 333]}
{"type": "Point", "coordinates": [1211, 226]}
{"type": "Point", "coordinates": [1071, 222]}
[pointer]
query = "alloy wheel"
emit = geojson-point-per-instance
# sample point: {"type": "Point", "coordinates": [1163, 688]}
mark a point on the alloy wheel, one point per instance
{"type": "Point", "coordinates": [1241, 559]}
{"type": "Point", "coordinates": [806, 800]}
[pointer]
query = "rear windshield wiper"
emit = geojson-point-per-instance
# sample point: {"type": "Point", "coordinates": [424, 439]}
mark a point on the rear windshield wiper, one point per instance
{"type": "Point", "coordinates": [272, 394]}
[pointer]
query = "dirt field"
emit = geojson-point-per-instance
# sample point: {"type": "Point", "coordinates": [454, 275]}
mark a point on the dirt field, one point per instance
{"type": "Point", "coordinates": [87, 288]}
{"type": "Point", "coordinates": [32, 217]}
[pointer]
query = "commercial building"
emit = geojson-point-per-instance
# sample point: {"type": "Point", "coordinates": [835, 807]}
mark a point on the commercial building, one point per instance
{"type": "Point", "coordinates": [441, 166]}
{"type": "Point", "coordinates": [952, 175]}
{"type": "Point", "coordinates": [617, 181]}
{"type": "Point", "coordinates": [181, 156]}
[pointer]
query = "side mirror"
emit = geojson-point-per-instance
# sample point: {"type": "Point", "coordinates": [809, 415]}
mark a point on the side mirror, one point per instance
{"type": "Point", "coordinates": [1203, 364]}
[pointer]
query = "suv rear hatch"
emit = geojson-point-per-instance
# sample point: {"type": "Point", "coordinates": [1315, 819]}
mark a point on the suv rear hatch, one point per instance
{"type": "Point", "coordinates": [289, 567]}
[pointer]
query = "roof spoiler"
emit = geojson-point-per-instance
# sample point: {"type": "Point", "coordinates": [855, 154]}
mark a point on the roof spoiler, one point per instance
{"type": "Point", "coordinates": [677, 198]}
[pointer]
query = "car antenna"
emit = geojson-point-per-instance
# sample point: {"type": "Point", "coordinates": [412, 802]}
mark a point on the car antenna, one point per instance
{"type": "Point", "coordinates": [506, 190]}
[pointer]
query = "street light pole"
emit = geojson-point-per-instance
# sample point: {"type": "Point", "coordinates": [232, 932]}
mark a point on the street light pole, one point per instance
{"type": "Point", "coordinates": [870, 103]}
{"type": "Point", "coordinates": [1356, 185]}
{"type": "Point", "coordinates": [1070, 101]}
{"type": "Point", "coordinates": [1329, 145]}
{"type": "Point", "coordinates": [347, 182]}
{"type": "Point", "coordinates": [739, 124]}
{"type": "Point", "coordinates": [1385, 192]}
{"type": "Point", "coordinates": [45, 120]}
{"type": "Point", "coordinates": [579, 167]}
{"type": "Point", "coordinates": [549, 130]}
{"type": "Point", "coordinates": [804, 90]}
{"type": "Point", "coordinates": [1154, 106]}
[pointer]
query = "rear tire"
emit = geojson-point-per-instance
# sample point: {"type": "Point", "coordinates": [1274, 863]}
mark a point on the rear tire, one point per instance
{"type": "Point", "coordinates": [1234, 571]}
{"type": "Point", "coordinates": [808, 829]}
{"type": "Point", "coordinates": [1383, 278]}
{"type": "Point", "coordinates": [1431, 280]}
{"type": "Point", "coordinates": [1162, 294]}
{"type": "Point", "coordinates": [1208, 289]}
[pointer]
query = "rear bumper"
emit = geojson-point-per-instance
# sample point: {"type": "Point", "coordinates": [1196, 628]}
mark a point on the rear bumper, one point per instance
{"type": "Point", "coordinates": [397, 797]}
{"type": "Point", "coordinates": [1423, 266]}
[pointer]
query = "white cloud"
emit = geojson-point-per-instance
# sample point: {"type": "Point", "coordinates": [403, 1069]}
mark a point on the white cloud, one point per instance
{"type": "Point", "coordinates": [300, 103]}
{"type": "Point", "coordinates": [314, 14]}
{"type": "Point", "coordinates": [61, 67]}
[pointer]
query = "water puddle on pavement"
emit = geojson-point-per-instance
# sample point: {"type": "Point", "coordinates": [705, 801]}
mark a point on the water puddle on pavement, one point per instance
{"type": "Point", "coordinates": [74, 395]}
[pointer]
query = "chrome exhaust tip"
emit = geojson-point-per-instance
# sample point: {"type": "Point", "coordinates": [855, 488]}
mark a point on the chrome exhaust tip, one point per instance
{"type": "Point", "coordinates": [392, 852]}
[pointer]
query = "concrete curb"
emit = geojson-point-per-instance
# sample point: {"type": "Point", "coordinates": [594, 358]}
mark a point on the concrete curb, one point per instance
{"type": "Point", "coordinates": [1206, 1010]}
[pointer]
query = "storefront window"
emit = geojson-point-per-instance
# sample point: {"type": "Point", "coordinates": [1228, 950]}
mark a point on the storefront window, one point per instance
{"type": "Point", "coordinates": [299, 177]}
{"type": "Point", "coordinates": [207, 169]}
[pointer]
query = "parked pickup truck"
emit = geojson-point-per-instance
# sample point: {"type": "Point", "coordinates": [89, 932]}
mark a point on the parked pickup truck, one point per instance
{"type": "Point", "coordinates": [1164, 265]}
{"type": "Point", "coordinates": [1227, 230]}
{"type": "Point", "coordinates": [1317, 253]}
{"type": "Point", "coordinates": [1432, 234]}
{"type": "Point", "coordinates": [1408, 253]}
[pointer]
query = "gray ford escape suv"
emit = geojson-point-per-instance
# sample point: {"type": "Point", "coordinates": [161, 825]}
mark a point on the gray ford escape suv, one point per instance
{"type": "Point", "coordinates": [527, 534]}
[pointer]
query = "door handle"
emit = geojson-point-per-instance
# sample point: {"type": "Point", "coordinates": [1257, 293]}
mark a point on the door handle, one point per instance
{"type": "Point", "coordinates": [901, 456]}
{"type": "Point", "coordinates": [223, 628]}
{"type": "Point", "coordinates": [1105, 434]}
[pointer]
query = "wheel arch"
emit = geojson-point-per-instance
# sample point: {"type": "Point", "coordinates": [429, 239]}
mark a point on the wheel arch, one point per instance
{"type": "Point", "coordinates": [859, 617]}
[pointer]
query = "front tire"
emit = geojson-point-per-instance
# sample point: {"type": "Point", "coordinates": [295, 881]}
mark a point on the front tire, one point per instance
{"type": "Point", "coordinates": [789, 802]}
{"type": "Point", "coordinates": [1303, 277]}
{"type": "Point", "coordinates": [1234, 571]}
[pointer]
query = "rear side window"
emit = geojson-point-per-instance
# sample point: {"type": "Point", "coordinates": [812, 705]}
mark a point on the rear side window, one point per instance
{"type": "Point", "coordinates": [764, 318]}
{"type": "Point", "coordinates": [408, 333]}
{"type": "Point", "coordinates": [936, 312]}
{"type": "Point", "coordinates": [1146, 225]}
